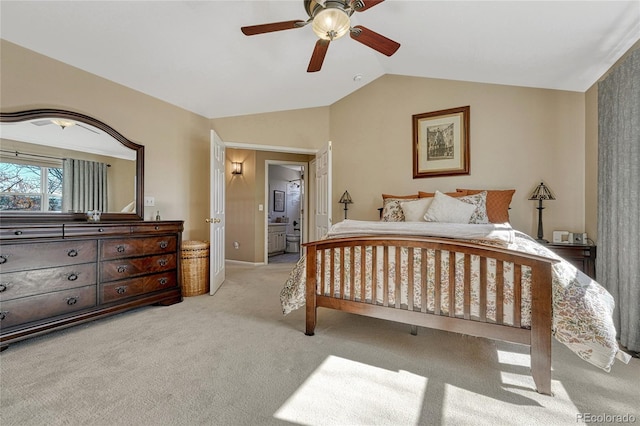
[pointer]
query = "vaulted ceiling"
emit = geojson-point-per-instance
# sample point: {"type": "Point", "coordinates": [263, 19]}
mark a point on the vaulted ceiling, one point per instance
{"type": "Point", "coordinates": [192, 53]}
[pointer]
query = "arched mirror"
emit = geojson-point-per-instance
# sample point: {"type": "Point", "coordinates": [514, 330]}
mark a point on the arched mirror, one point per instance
{"type": "Point", "coordinates": [57, 165]}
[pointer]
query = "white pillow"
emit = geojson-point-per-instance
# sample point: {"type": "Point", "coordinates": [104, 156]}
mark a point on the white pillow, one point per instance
{"type": "Point", "coordinates": [448, 209]}
{"type": "Point", "coordinates": [414, 210]}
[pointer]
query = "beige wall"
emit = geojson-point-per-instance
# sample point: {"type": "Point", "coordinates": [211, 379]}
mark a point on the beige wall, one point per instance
{"type": "Point", "coordinates": [518, 136]}
{"type": "Point", "coordinates": [176, 141]}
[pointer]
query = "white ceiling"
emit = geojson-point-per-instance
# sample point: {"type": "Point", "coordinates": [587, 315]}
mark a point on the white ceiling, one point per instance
{"type": "Point", "coordinates": [192, 53]}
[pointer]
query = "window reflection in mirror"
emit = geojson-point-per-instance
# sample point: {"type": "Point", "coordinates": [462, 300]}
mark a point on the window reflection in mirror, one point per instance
{"type": "Point", "coordinates": [31, 178]}
{"type": "Point", "coordinates": [44, 161]}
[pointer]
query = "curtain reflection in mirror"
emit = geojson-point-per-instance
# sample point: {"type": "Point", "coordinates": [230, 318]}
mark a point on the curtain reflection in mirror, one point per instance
{"type": "Point", "coordinates": [85, 186]}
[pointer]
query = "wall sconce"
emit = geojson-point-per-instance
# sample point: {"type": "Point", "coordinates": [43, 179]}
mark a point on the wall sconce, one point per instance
{"type": "Point", "coordinates": [346, 199]}
{"type": "Point", "coordinates": [541, 192]}
{"type": "Point", "coordinates": [236, 168]}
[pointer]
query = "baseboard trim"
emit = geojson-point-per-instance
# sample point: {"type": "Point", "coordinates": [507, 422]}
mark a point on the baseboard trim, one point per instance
{"type": "Point", "coordinates": [242, 262]}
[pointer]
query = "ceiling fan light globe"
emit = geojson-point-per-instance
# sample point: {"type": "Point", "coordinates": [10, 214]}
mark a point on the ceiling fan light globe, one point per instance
{"type": "Point", "coordinates": [331, 24]}
{"type": "Point", "coordinates": [63, 123]}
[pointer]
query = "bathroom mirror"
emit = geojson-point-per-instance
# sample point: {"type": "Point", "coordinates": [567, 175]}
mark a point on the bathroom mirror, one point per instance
{"type": "Point", "coordinates": [40, 148]}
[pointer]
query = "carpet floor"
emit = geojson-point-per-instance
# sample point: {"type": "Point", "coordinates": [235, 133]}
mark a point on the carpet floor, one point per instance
{"type": "Point", "coordinates": [234, 359]}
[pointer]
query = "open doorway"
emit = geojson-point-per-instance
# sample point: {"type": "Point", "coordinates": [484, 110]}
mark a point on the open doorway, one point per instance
{"type": "Point", "coordinates": [286, 201]}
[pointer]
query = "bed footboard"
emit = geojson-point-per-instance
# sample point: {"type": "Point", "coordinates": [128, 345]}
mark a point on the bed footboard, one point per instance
{"type": "Point", "coordinates": [450, 285]}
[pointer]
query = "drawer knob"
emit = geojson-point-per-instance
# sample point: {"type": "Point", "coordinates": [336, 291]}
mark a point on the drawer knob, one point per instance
{"type": "Point", "coordinates": [163, 262]}
{"type": "Point", "coordinates": [72, 300]}
{"type": "Point", "coordinates": [163, 280]}
{"type": "Point", "coordinates": [3, 315]}
{"type": "Point", "coordinates": [18, 232]}
{"type": "Point", "coordinates": [4, 287]}
{"type": "Point", "coordinates": [72, 276]}
{"type": "Point", "coordinates": [3, 259]}
{"type": "Point", "coordinates": [121, 290]}
{"type": "Point", "coordinates": [164, 244]}
{"type": "Point", "coordinates": [100, 229]}
{"type": "Point", "coordinates": [157, 228]}
{"type": "Point", "coordinates": [122, 268]}
{"type": "Point", "coordinates": [120, 249]}
{"type": "Point", "coordinates": [72, 253]}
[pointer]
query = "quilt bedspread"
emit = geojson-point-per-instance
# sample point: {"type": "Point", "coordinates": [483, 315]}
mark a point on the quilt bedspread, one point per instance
{"type": "Point", "coordinates": [582, 308]}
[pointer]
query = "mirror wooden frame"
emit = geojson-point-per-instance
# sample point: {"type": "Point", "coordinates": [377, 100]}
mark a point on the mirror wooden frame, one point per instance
{"type": "Point", "coordinates": [13, 216]}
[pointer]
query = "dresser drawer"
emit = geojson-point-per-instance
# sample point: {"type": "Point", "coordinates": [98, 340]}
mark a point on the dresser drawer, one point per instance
{"type": "Point", "coordinates": [128, 247]}
{"type": "Point", "coordinates": [20, 232]}
{"type": "Point", "coordinates": [29, 283]}
{"type": "Point", "coordinates": [34, 308]}
{"type": "Point", "coordinates": [112, 270]}
{"type": "Point", "coordinates": [136, 286]}
{"type": "Point", "coordinates": [20, 257]}
{"type": "Point", "coordinates": [156, 227]}
{"type": "Point", "coordinates": [96, 230]}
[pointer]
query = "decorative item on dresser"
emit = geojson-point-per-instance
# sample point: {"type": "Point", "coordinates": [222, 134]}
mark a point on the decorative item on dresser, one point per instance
{"type": "Point", "coordinates": [60, 268]}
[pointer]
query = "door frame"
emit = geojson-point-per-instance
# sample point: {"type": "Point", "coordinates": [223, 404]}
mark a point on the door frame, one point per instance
{"type": "Point", "coordinates": [310, 186]}
{"type": "Point", "coordinates": [305, 205]}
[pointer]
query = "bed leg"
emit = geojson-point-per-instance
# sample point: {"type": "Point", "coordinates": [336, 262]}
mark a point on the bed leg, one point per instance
{"type": "Point", "coordinates": [414, 330]}
{"type": "Point", "coordinates": [541, 372]}
{"type": "Point", "coordinates": [311, 320]}
{"type": "Point", "coordinates": [541, 331]}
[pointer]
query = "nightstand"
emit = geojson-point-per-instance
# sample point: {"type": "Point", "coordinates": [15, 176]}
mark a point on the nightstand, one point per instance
{"type": "Point", "coordinates": [582, 256]}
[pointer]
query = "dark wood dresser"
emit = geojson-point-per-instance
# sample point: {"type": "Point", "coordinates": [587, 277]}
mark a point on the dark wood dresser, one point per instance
{"type": "Point", "coordinates": [55, 275]}
{"type": "Point", "coordinates": [582, 256]}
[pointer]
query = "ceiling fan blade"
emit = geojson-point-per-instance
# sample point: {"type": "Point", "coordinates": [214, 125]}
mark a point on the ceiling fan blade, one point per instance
{"type": "Point", "coordinates": [366, 4]}
{"type": "Point", "coordinates": [318, 55]}
{"type": "Point", "coordinates": [274, 26]}
{"type": "Point", "coordinates": [376, 41]}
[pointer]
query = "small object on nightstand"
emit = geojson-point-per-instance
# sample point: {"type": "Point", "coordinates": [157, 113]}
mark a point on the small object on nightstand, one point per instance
{"type": "Point", "coordinates": [158, 215]}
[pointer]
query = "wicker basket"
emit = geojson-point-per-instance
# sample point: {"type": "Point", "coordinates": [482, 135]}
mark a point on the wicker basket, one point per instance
{"type": "Point", "coordinates": [195, 268]}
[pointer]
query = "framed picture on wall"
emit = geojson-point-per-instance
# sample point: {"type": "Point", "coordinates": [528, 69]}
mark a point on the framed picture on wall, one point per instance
{"type": "Point", "coordinates": [278, 201]}
{"type": "Point", "coordinates": [441, 143]}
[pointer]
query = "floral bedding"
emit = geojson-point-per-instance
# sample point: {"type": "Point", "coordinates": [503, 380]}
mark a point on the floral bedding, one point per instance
{"type": "Point", "coordinates": [582, 308]}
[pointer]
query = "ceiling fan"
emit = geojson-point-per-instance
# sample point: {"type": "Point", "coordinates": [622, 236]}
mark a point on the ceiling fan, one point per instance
{"type": "Point", "coordinates": [330, 20]}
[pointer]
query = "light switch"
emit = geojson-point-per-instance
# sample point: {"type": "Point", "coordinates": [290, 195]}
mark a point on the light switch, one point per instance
{"type": "Point", "coordinates": [260, 207]}
{"type": "Point", "coordinates": [149, 201]}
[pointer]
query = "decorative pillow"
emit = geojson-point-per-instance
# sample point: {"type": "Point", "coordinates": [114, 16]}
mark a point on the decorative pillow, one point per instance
{"type": "Point", "coordinates": [414, 210]}
{"type": "Point", "coordinates": [480, 202]}
{"type": "Point", "coordinates": [392, 211]}
{"type": "Point", "coordinates": [498, 202]}
{"type": "Point", "coordinates": [450, 194]}
{"type": "Point", "coordinates": [448, 209]}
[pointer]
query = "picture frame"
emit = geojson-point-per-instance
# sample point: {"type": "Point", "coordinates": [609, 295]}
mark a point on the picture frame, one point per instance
{"type": "Point", "coordinates": [278, 201]}
{"type": "Point", "coordinates": [441, 143]}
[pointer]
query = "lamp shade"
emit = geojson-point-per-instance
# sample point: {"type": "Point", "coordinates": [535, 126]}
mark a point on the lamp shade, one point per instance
{"type": "Point", "coordinates": [346, 198]}
{"type": "Point", "coordinates": [236, 168]}
{"type": "Point", "coordinates": [331, 23]}
{"type": "Point", "coordinates": [542, 192]}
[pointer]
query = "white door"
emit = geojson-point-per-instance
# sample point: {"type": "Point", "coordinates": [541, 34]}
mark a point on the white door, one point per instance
{"type": "Point", "coordinates": [323, 191]}
{"type": "Point", "coordinates": [216, 216]}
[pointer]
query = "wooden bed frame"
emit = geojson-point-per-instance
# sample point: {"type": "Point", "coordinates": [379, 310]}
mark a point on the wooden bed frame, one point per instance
{"type": "Point", "coordinates": [537, 337]}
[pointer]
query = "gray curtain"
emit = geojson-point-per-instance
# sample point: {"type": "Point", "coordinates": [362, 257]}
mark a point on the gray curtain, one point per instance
{"type": "Point", "coordinates": [617, 260]}
{"type": "Point", "coordinates": [84, 185]}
